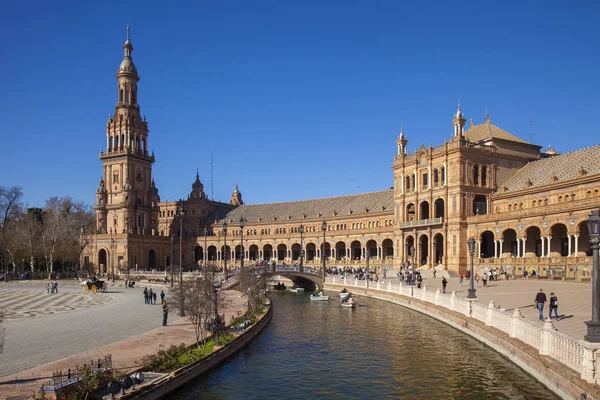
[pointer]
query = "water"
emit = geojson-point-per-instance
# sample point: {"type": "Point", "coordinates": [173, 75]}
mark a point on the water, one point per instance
{"type": "Point", "coordinates": [319, 350]}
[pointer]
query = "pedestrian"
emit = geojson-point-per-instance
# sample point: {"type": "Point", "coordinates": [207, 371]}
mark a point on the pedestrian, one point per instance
{"type": "Point", "coordinates": [165, 309]}
{"type": "Point", "coordinates": [154, 297]}
{"type": "Point", "coordinates": [540, 300]}
{"type": "Point", "coordinates": [460, 279]}
{"type": "Point", "coordinates": [145, 295]}
{"type": "Point", "coordinates": [553, 305]}
{"type": "Point", "coordinates": [434, 272]}
{"type": "Point", "coordinates": [444, 283]}
{"type": "Point", "coordinates": [162, 296]}
{"type": "Point", "coordinates": [476, 281]}
{"type": "Point", "coordinates": [150, 296]}
{"type": "Point", "coordinates": [48, 287]}
{"type": "Point", "coordinates": [56, 286]}
{"type": "Point", "coordinates": [484, 279]}
{"type": "Point", "coordinates": [125, 283]}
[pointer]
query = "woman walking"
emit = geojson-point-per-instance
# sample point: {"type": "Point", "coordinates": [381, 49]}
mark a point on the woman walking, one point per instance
{"type": "Point", "coordinates": [553, 305]}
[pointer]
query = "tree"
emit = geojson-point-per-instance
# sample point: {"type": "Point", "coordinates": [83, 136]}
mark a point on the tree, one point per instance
{"type": "Point", "coordinates": [10, 209]}
{"type": "Point", "coordinates": [2, 330]}
{"type": "Point", "coordinates": [198, 297]}
{"type": "Point", "coordinates": [253, 286]}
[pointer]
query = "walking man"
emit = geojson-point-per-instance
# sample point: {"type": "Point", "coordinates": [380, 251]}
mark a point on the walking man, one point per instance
{"type": "Point", "coordinates": [444, 283]}
{"type": "Point", "coordinates": [146, 295]}
{"type": "Point", "coordinates": [154, 297]}
{"type": "Point", "coordinates": [165, 309]}
{"type": "Point", "coordinates": [162, 297]}
{"type": "Point", "coordinates": [553, 305]}
{"type": "Point", "coordinates": [150, 296]}
{"type": "Point", "coordinates": [540, 300]}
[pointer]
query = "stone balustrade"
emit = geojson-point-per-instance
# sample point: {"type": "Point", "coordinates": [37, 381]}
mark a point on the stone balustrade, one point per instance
{"type": "Point", "coordinates": [578, 355]}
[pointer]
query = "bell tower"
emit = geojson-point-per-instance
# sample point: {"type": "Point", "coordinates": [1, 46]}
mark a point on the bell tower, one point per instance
{"type": "Point", "coordinates": [127, 200]}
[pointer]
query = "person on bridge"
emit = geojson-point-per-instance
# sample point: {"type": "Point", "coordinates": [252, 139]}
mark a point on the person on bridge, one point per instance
{"type": "Point", "coordinates": [553, 305]}
{"type": "Point", "coordinates": [165, 309]}
{"type": "Point", "coordinates": [540, 300]}
{"type": "Point", "coordinates": [444, 283]}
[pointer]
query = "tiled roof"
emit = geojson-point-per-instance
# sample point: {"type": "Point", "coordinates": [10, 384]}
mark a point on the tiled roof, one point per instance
{"type": "Point", "coordinates": [355, 204]}
{"type": "Point", "coordinates": [560, 168]}
{"type": "Point", "coordinates": [487, 130]}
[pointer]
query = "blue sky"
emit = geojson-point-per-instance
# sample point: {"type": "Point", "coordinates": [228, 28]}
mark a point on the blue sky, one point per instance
{"type": "Point", "coordinates": [297, 99]}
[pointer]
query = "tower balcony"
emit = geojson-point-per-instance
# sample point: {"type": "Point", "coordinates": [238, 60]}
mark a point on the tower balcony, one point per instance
{"type": "Point", "coordinates": [421, 222]}
{"type": "Point", "coordinates": [127, 151]}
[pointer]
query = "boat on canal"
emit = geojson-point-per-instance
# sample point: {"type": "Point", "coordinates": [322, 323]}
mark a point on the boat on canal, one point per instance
{"type": "Point", "coordinates": [317, 297]}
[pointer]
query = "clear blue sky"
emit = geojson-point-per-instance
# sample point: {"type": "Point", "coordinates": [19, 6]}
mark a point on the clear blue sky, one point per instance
{"type": "Point", "coordinates": [298, 99]}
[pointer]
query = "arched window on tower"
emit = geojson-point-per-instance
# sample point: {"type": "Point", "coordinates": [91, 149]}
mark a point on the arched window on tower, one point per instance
{"type": "Point", "coordinates": [121, 95]}
{"type": "Point", "coordinates": [475, 174]}
{"type": "Point", "coordinates": [483, 176]}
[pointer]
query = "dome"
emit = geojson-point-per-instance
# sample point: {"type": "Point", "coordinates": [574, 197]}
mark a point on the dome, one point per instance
{"type": "Point", "coordinates": [127, 66]}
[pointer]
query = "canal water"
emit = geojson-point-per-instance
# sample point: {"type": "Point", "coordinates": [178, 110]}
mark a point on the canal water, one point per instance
{"type": "Point", "coordinates": [320, 350]}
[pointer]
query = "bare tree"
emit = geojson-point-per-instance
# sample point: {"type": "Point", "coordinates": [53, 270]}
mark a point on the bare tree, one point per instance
{"type": "Point", "coordinates": [2, 330]}
{"type": "Point", "coordinates": [10, 208]}
{"type": "Point", "coordinates": [253, 286]}
{"type": "Point", "coordinates": [199, 299]}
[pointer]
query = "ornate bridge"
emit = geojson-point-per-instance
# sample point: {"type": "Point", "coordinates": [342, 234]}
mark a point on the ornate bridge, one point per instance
{"type": "Point", "coordinates": [308, 278]}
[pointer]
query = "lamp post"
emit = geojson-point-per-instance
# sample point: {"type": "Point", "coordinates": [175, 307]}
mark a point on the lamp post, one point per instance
{"type": "Point", "coordinates": [205, 253]}
{"type": "Point", "coordinates": [471, 292]}
{"type": "Point", "coordinates": [181, 214]}
{"type": "Point", "coordinates": [411, 252]}
{"type": "Point", "coordinates": [301, 230]}
{"type": "Point", "coordinates": [225, 250]}
{"type": "Point", "coordinates": [171, 259]}
{"type": "Point", "coordinates": [242, 223]}
{"type": "Point", "coordinates": [593, 326]}
{"type": "Point", "coordinates": [324, 227]}
{"type": "Point", "coordinates": [215, 292]}
{"type": "Point", "coordinates": [367, 268]}
{"type": "Point", "coordinates": [113, 243]}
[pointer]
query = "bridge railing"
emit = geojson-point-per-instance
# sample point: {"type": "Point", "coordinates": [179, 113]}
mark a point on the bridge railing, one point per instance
{"type": "Point", "coordinates": [578, 355]}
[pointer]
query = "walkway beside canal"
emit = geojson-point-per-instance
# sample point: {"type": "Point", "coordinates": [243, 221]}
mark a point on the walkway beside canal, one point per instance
{"type": "Point", "coordinates": [126, 354]}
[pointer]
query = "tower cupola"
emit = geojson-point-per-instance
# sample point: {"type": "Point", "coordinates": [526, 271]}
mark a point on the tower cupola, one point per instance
{"type": "Point", "coordinates": [236, 197]}
{"type": "Point", "coordinates": [459, 122]}
{"type": "Point", "coordinates": [401, 142]}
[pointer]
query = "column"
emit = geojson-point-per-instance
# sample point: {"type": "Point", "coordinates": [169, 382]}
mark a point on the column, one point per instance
{"type": "Point", "coordinates": [218, 255]}
{"type": "Point", "coordinates": [379, 252]}
{"type": "Point", "coordinates": [275, 254]}
{"type": "Point", "coordinates": [402, 183]}
{"type": "Point", "coordinates": [569, 248]}
{"type": "Point", "coordinates": [495, 248]}
{"type": "Point", "coordinates": [501, 242]}
{"type": "Point", "coordinates": [445, 174]}
{"type": "Point", "coordinates": [549, 242]}
{"type": "Point", "coordinates": [576, 244]}
{"type": "Point", "coordinates": [478, 248]}
{"type": "Point", "coordinates": [543, 246]}
{"type": "Point", "coordinates": [429, 177]}
{"type": "Point", "coordinates": [333, 253]}
{"type": "Point", "coordinates": [524, 246]}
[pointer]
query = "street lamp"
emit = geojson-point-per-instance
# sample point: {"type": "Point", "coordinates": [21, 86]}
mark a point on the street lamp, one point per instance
{"type": "Point", "coordinates": [225, 250]}
{"type": "Point", "coordinates": [181, 214]}
{"type": "Point", "coordinates": [301, 230]}
{"type": "Point", "coordinates": [215, 292]}
{"type": "Point", "coordinates": [205, 252]}
{"type": "Point", "coordinates": [171, 259]}
{"type": "Point", "coordinates": [471, 292]}
{"type": "Point", "coordinates": [367, 269]}
{"type": "Point", "coordinates": [593, 326]}
{"type": "Point", "coordinates": [411, 252]}
{"type": "Point", "coordinates": [242, 223]}
{"type": "Point", "coordinates": [324, 227]}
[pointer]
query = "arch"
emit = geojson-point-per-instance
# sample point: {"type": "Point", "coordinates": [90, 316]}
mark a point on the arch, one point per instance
{"type": "Point", "coordinates": [212, 253]}
{"type": "Point", "coordinates": [436, 178]}
{"type": "Point", "coordinates": [509, 244]}
{"type": "Point", "coordinates": [281, 252]}
{"type": "Point", "coordinates": [409, 242]}
{"type": "Point", "coordinates": [198, 254]}
{"type": "Point", "coordinates": [340, 250]}
{"type": "Point", "coordinates": [558, 239]}
{"type": "Point", "coordinates": [438, 243]}
{"type": "Point", "coordinates": [237, 252]}
{"type": "Point", "coordinates": [410, 212]}
{"type": "Point", "coordinates": [583, 241]}
{"type": "Point", "coordinates": [387, 249]}
{"type": "Point", "coordinates": [151, 259]}
{"type": "Point", "coordinates": [295, 252]}
{"type": "Point", "coordinates": [325, 250]}
{"type": "Point", "coordinates": [267, 252]}
{"type": "Point", "coordinates": [443, 175]}
{"type": "Point", "coordinates": [355, 250]}
{"type": "Point", "coordinates": [423, 253]}
{"type": "Point", "coordinates": [486, 249]}
{"type": "Point", "coordinates": [371, 248]}
{"type": "Point", "coordinates": [253, 252]}
{"type": "Point", "coordinates": [480, 205]}
{"type": "Point", "coordinates": [102, 261]}
{"type": "Point", "coordinates": [225, 252]}
{"type": "Point", "coordinates": [438, 208]}
{"type": "Point", "coordinates": [533, 240]}
{"type": "Point", "coordinates": [483, 176]}
{"type": "Point", "coordinates": [424, 210]}
{"type": "Point", "coordinates": [311, 251]}
{"type": "Point", "coordinates": [407, 184]}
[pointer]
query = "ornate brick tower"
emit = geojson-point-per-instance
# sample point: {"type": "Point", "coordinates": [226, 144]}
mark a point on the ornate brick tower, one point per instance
{"type": "Point", "coordinates": [127, 199]}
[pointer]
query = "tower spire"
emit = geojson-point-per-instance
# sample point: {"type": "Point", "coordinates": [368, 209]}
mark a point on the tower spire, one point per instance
{"type": "Point", "coordinates": [459, 122]}
{"type": "Point", "coordinates": [128, 30]}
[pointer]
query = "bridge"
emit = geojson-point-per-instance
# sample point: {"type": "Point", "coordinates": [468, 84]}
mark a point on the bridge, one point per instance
{"type": "Point", "coordinates": [306, 277]}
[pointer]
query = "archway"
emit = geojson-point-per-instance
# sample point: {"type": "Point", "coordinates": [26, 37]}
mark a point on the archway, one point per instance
{"type": "Point", "coordinates": [253, 252]}
{"type": "Point", "coordinates": [583, 242]}
{"type": "Point", "coordinates": [102, 261]}
{"type": "Point", "coordinates": [311, 251]}
{"type": "Point", "coordinates": [410, 212]}
{"type": "Point", "coordinates": [408, 243]}
{"type": "Point", "coordinates": [267, 252]}
{"type": "Point", "coordinates": [423, 254]}
{"type": "Point", "coordinates": [238, 252]}
{"type": "Point", "coordinates": [340, 250]}
{"type": "Point", "coordinates": [438, 205]}
{"type": "Point", "coordinates": [480, 205]}
{"type": "Point", "coordinates": [371, 248]}
{"type": "Point", "coordinates": [533, 241]}
{"type": "Point", "coordinates": [295, 252]}
{"type": "Point", "coordinates": [212, 253]}
{"type": "Point", "coordinates": [388, 249]}
{"type": "Point", "coordinates": [198, 254]}
{"type": "Point", "coordinates": [559, 241]}
{"type": "Point", "coordinates": [151, 259]}
{"type": "Point", "coordinates": [487, 245]}
{"type": "Point", "coordinates": [355, 250]}
{"type": "Point", "coordinates": [281, 252]}
{"type": "Point", "coordinates": [438, 241]}
{"type": "Point", "coordinates": [225, 253]}
{"type": "Point", "coordinates": [424, 210]}
{"type": "Point", "coordinates": [509, 242]}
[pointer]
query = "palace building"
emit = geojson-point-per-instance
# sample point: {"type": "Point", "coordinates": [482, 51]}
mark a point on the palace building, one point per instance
{"type": "Point", "coordinates": [525, 208]}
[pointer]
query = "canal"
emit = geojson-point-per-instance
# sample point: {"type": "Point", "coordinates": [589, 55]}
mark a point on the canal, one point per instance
{"type": "Point", "coordinates": [319, 350]}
